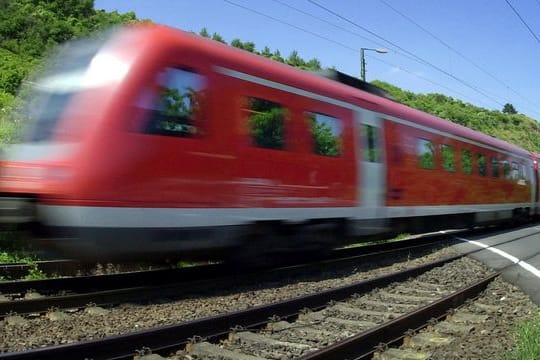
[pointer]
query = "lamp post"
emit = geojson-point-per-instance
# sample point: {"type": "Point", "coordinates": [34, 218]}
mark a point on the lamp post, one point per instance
{"type": "Point", "coordinates": [363, 60]}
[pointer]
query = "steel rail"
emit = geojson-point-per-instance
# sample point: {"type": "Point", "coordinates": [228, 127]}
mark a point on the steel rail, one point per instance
{"type": "Point", "coordinates": [104, 290]}
{"type": "Point", "coordinates": [362, 346]}
{"type": "Point", "coordinates": [170, 337]}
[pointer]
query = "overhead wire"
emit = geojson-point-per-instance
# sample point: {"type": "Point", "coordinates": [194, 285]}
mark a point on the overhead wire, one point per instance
{"type": "Point", "coordinates": [460, 54]}
{"type": "Point", "coordinates": [411, 56]}
{"type": "Point", "coordinates": [341, 28]}
{"type": "Point", "coordinates": [344, 29]}
{"type": "Point", "coordinates": [523, 21]}
{"type": "Point", "coordinates": [291, 25]}
{"type": "Point", "coordinates": [461, 81]}
{"type": "Point", "coordinates": [373, 41]}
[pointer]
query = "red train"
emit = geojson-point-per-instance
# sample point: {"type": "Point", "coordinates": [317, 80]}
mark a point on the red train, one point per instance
{"type": "Point", "coordinates": [148, 141]}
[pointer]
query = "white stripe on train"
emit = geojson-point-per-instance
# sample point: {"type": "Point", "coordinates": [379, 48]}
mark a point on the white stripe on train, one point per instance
{"type": "Point", "coordinates": [137, 217]}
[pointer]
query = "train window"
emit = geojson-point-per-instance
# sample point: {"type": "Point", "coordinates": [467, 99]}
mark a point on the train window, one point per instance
{"type": "Point", "coordinates": [326, 132]}
{"type": "Point", "coordinates": [447, 153]}
{"type": "Point", "coordinates": [425, 151]}
{"type": "Point", "coordinates": [494, 166]}
{"type": "Point", "coordinates": [180, 103]}
{"type": "Point", "coordinates": [372, 151]}
{"type": "Point", "coordinates": [506, 170]}
{"type": "Point", "coordinates": [266, 121]}
{"type": "Point", "coordinates": [523, 176]}
{"type": "Point", "coordinates": [523, 172]}
{"type": "Point", "coordinates": [481, 161]}
{"type": "Point", "coordinates": [515, 171]}
{"type": "Point", "coordinates": [466, 162]}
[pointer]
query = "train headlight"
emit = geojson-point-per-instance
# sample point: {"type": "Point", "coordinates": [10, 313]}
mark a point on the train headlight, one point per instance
{"type": "Point", "coordinates": [105, 69]}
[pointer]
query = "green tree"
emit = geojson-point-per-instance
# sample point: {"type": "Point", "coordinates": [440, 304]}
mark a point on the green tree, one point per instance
{"type": "Point", "coordinates": [237, 43]}
{"type": "Point", "coordinates": [267, 122]}
{"type": "Point", "coordinates": [31, 28]}
{"type": "Point", "coordinates": [276, 56]}
{"type": "Point", "coordinates": [204, 33]}
{"type": "Point", "coordinates": [466, 161]}
{"type": "Point", "coordinates": [326, 143]}
{"type": "Point", "coordinates": [447, 153]}
{"type": "Point", "coordinates": [266, 52]}
{"type": "Point", "coordinates": [13, 69]}
{"type": "Point", "coordinates": [509, 109]}
{"type": "Point", "coordinates": [313, 64]}
{"type": "Point", "coordinates": [248, 45]}
{"type": "Point", "coordinates": [426, 154]}
{"type": "Point", "coordinates": [218, 38]}
{"type": "Point", "coordinates": [295, 60]}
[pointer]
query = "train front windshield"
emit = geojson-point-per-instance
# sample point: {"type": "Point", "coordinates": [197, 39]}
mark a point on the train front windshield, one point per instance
{"type": "Point", "coordinates": [65, 74]}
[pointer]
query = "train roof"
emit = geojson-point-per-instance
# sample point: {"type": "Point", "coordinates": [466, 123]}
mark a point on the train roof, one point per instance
{"type": "Point", "coordinates": [337, 86]}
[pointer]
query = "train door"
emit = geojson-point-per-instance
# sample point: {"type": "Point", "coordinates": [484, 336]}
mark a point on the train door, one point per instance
{"type": "Point", "coordinates": [270, 172]}
{"type": "Point", "coordinates": [372, 177]}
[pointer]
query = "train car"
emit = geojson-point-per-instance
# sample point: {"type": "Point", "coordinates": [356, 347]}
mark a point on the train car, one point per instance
{"type": "Point", "coordinates": [148, 141]}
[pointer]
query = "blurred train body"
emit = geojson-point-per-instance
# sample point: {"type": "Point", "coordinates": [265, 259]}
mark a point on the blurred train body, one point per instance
{"type": "Point", "coordinates": [148, 142]}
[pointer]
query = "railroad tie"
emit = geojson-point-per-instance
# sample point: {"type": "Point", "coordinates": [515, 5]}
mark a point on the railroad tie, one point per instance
{"type": "Point", "coordinates": [313, 318]}
{"type": "Point", "coordinates": [351, 311]}
{"type": "Point", "coordinates": [407, 298]}
{"type": "Point", "coordinates": [304, 329]}
{"type": "Point", "coordinates": [415, 291]}
{"type": "Point", "coordinates": [399, 354]}
{"type": "Point", "coordinates": [467, 318]}
{"type": "Point", "coordinates": [205, 350]}
{"type": "Point", "coordinates": [379, 303]}
{"type": "Point", "coordinates": [247, 337]}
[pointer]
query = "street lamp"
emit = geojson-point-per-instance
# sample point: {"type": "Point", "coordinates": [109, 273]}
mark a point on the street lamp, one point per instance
{"type": "Point", "coordinates": [363, 60]}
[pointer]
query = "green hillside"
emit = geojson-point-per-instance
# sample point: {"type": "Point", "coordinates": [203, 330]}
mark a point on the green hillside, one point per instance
{"type": "Point", "coordinates": [512, 127]}
{"type": "Point", "coordinates": [29, 29]}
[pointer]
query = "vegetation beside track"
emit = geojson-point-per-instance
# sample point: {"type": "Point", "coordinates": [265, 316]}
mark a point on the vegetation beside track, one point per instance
{"type": "Point", "coordinates": [527, 341]}
{"type": "Point", "coordinates": [12, 250]}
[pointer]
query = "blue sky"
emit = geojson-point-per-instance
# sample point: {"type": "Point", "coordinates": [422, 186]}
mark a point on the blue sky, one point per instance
{"type": "Point", "coordinates": [478, 51]}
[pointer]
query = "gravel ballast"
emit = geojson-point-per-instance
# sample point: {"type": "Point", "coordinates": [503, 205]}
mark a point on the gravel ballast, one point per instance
{"type": "Point", "coordinates": [17, 334]}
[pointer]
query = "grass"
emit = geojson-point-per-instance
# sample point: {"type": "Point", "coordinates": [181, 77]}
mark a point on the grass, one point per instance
{"type": "Point", "coordinates": [527, 341]}
{"type": "Point", "coordinates": [12, 250]}
{"type": "Point", "coordinates": [367, 242]}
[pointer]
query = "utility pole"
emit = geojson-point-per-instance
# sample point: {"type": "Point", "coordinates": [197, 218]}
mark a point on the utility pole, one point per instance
{"type": "Point", "coordinates": [363, 60]}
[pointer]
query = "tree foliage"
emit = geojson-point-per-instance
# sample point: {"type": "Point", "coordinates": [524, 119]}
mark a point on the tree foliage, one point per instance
{"type": "Point", "coordinates": [267, 122]}
{"type": "Point", "coordinates": [326, 141]}
{"type": "Point", "coordinates": [293, 59]}
{"type": "Point", "coordinates": [31, 28]}
{"type": "Point", "coordinates": [509, 109]}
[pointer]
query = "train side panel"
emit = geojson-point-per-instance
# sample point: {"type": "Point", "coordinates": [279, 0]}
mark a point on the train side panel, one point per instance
{"type": "Point", "coordinates": [435, 173]}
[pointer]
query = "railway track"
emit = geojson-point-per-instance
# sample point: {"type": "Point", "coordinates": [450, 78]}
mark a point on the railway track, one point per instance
{"type": "Point", "coordinates": [325, 325]}
{"type": "Point", "coordinates": [70, 267]}
{"type": "Point", "coordinates": [38, 296]}
{"type": "Point", "coordinates": [140, 340]}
